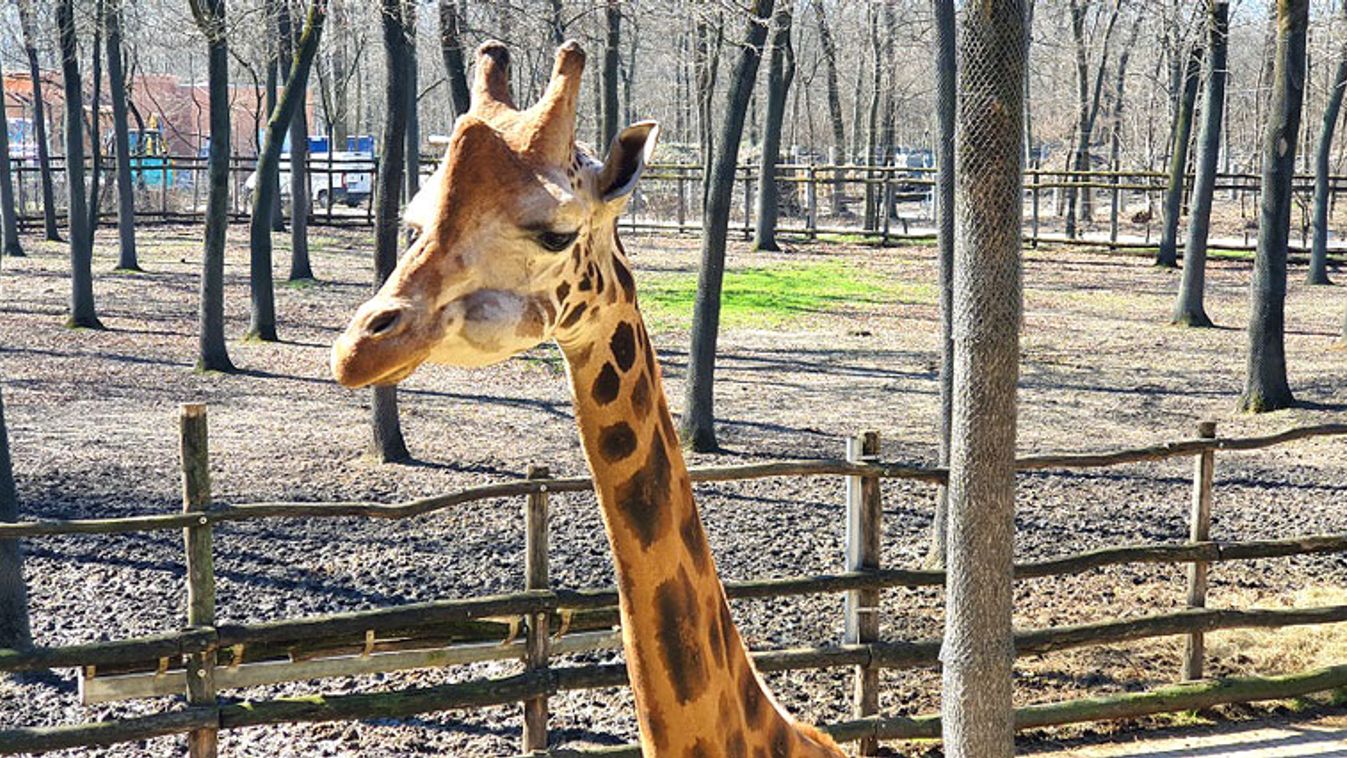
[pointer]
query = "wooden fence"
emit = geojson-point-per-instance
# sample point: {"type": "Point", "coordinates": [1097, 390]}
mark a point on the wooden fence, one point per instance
{"type": "Point", "coordinates": [537, 625]}
{"type": "Point", "coordinates": [816, 200]}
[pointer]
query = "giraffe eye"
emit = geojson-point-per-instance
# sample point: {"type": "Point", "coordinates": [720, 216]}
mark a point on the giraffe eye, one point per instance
{"type": "Point", "coordinates": [556, 241]}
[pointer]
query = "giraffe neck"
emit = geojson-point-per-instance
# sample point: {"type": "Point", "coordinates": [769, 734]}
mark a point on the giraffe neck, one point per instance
{"type": "Point", "coordinates": [693, 681]}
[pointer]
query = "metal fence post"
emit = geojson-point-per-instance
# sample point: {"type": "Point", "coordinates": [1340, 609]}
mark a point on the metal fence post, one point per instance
{"type": "Point", "coordinates": [536, 578]}
{"type": "Point", "coordinates": [864, 530]}
{"type": "Point", "coordinates": [201, 743]}
{"type": "Point", "coordinates": [1199, 524]}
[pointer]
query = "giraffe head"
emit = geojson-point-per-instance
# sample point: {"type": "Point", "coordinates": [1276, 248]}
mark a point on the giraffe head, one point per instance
{"type": "Point", "coordinates": [514, 234]}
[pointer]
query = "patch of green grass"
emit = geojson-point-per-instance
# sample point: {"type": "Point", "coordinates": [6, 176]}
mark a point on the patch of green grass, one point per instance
{"type": "Point", "coordinates": [300, 284]}
{"type": "Point", "coordinates": [775, 296]}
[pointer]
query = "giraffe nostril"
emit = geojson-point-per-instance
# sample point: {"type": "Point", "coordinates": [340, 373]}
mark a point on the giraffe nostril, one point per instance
{"type": "Point", "coordinates": [382, 323]}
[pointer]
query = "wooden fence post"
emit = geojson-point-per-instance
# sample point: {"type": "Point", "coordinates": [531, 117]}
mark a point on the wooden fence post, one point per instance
{"type": "Point", "coordinates": [811, 201]}
{"type": "Point", "coordinates": [748, 202]}
{"type": "Point", "coordinates": [681, 173]}
{"type": "Point", "coordinates": [201, 743]}
{"type": "Point", "coordinates": [1199, 524]}
{"type": "Point", "coordinates": [864, 530]}
{"type": "Point", "coordinates": [1038, 177]}
{"type": "Point", "coordinates": [536, 578]}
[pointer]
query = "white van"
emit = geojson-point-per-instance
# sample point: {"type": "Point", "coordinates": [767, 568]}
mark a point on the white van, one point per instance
{"type": "Point", "coordinates": [346, 177]}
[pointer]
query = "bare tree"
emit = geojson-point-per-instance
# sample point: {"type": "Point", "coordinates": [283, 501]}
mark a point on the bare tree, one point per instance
{"type": "Point", "coordinates": [1318, 270]}
{"type": "Point", "coordinates": [28, 21]}
{"type": "Point", "coordinates": [82, 311]}
{"type": "Point", "coordinates": [387, 443]}
{"type": "Point", "coordinates": [1189, 310]}
{"type": "Point", "coordinates": [699, 416]}
{"type": "Point", "coordinates": [781, 70]}
{"type": "Point", "coordinates": [262, 318]}
{"type": "Point", "coordinates": [9, 221]}
{"type": "Point", "coordinates": [127, 260]}
{"type": "Point", "coordinates": [14, 627]}
{"type": "Point", "coordinates": [612, 49]}
{"type": "Point", "coordinates": [829, 50]}
{"type": "Point", "coordinates": [946, 83]}
{"type": "Point", "coordinates": [212, 355]}
{"type": "Point", "coordinates": [1168, 254]}
{"type": "Point", "coordinates": [300, 189]}
{"type": "Point", "coordinates": [1087, 99]}
{"type": "Point", "coordinates": [978, 653]}
{"type": "Point", "coordinates": [1265, 385]}
{"type": "Point", "coordinates": [451, 48]}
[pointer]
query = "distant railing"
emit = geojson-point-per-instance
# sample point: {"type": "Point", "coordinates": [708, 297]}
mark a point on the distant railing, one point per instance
{"type": "Point", "coordinates": [816, 200]}
{"type": "Point", "coordinates": [543, 622]}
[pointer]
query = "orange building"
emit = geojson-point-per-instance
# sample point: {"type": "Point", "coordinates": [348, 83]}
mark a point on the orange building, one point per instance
{"type": "Point", "coordinates": [180, 110]}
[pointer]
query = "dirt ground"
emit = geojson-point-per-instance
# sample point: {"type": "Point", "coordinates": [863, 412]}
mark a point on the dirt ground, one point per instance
{"type": "Point", "coordinates": [92, 424]}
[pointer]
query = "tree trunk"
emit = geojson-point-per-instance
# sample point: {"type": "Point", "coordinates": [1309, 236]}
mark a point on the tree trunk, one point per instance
{"type": "Point", "coordinates": [829, 48]}
{"type": "Point", "coordinates": [82, 311]}
{"type": "Point", "coordinates": [946, 84]}
{"type": "Point", "coordinates": [28, 22]}
{"type": "Point", "coordinates": [978, 651]}
{"type": "Point", "coordinates": [300, 190]}
{"type": "Point", "coordinates": [9, 221]}
{"type": "Point", "coordinates": [781, 70]}
{"type": "Point", "coordinates": [872, 149]}
{"type": "Point", "coordinates": [707, 64]}
{"type": "Point", "coordinates": [612, 47]}
{"type": "Point", "coordinates": [698, 426]}
{"type": "Point", "coordinates": [555, 23]}
{"type": "Point", "coordinates": [1318, 272]}
{"type": "Point", "coordinates": [411, 176]}
{"type": "Point", "coordinates": [1168, 255]}
{"type": "Point", "coordinates": [275, 69]}
{"type": "Point", "coordinates": [1087, 108]}
{"type": "Point", "coordinates": [1265, 385]}
{"type": "Point", "coordinates": [95, 125]}
{"type": "Point", "coordinates": [127, 260]}
{"type": "Point", "coordinates": [1189, 310]}
{"type": "Point", "coordinates": [14, 628]}
{"type": "Point", "coordinates": [212, 354]}
{"type": "Point", "coordinates": [451, 49]}
{"type": "Point", "coordinates": [387, 444]}
{"type": "Point", "coordinates": [262, 315]}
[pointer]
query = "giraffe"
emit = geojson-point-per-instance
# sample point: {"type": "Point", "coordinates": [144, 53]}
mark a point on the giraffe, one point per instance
{"type": "Point", "coordinates": [516, 242]}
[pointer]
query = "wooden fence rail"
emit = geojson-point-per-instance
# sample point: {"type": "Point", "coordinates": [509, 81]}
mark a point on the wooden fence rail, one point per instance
{"type": "Point", "coordinates": [172, 193]}
{"type": "Point", "coordinates": [205, 656]}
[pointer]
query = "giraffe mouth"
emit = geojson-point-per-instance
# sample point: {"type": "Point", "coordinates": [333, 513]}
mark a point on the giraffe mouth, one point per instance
{"type": "Point", "coordinates": [356, 363]}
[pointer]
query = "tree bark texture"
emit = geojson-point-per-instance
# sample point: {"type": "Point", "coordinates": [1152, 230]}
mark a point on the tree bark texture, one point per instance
{"type": "Point", "coordinates": [781, 71]}
{"type": "Point", "coordinates": [29, 25]}
{"type": "Point", "coordinates": [698, 424]}
{"type": "Point", "coordinates": [387, 443]}
{"type": "Point", "coordinates": [82, 311]}
{"type": "Point", "coordinates": [262, 315]}
{"type": "Point", "coordinates": [14, 628]}
{"type": "Point", "coordinates": [9, 216]}
{"type": "Point", "coordinates": [212, 355]}
{"type": "Point", "coordinates": [1189, 310]}
{"type": "Point", "coordinates": [451, 49]}
{"type": "Point", "coordinates": [1318, 271]}
{"type": "Point", "coordinates": [300, 190]}
{"type": "Point", "coordinates": [95, 125]}
{"type": "Point", "coordinates": [978, 651]}
{"type": "Point", "coordinates": [127, 259]}
{"type": "Point", "coordinates": [612, 48]}
{"type": "Point", "coordinates": [946, 85]}
{"type": "Point", "coordinates": [829, 48]}
{"type": "Point", "coordinates": [1265, 384]}
{"type": "Point", "coordinates": [1168, 256]}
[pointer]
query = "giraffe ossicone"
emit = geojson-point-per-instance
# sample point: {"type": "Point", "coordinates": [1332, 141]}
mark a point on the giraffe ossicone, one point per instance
{"type": "Point", "coordinates": [516, 243]}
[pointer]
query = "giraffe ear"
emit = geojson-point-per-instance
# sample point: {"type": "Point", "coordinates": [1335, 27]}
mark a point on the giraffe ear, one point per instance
{"type": "Point", "coordinates": [627, 158]}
